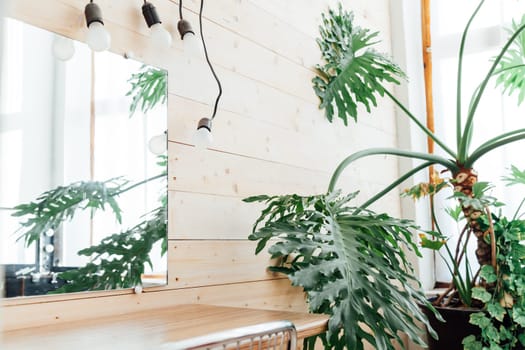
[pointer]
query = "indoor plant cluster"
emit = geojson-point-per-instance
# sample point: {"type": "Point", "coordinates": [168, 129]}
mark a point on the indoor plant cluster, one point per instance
{"type": "Point", "coordinates": [351, 261]}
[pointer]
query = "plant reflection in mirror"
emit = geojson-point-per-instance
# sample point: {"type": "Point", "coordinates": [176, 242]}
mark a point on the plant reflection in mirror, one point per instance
{"type": "Point", "coordinates": [119, 260]}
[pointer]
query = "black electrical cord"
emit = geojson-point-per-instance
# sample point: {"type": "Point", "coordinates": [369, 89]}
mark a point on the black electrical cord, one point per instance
{"type": "Point", "coordinates": [180, 10]}
{"type": "Point", "coordinates": [209, 63]}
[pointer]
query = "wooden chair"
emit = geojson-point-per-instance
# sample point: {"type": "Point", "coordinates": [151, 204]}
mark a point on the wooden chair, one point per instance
{"type": "Point", "coordinates": [278, 335]}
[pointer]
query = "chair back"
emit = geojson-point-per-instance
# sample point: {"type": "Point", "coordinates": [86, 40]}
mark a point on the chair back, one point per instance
{"type": "Point", "coordinates": [278, 335]}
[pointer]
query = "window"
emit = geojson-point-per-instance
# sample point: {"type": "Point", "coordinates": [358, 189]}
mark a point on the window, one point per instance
{"type": "Point", "coordinates": [485, 39]}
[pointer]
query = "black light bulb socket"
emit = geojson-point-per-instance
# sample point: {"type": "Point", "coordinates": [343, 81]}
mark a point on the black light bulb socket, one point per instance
{"type": "Point", "coordinates": [184, 28]}
{"type": "Point", "coordinates": [150, 14]}
{"type": "Point", "coordinates": [93, 14]}
{"type": "Point", "coordinates": [204, 123]}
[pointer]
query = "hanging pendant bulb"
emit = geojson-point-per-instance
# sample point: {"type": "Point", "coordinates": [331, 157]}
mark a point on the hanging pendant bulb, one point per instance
{"type": "Point", "coordinates": [98, 38]}
{"type": "Point", "coordinates": [158, 144]}
{"type": "Point", "coordinates": [190, 42]}
{"type": "Point", "coordinates": [160, 37]}
{"type": "Point", "coordinates": [203, 137]}
{"type": "Point", "coordinates": [63, 48]}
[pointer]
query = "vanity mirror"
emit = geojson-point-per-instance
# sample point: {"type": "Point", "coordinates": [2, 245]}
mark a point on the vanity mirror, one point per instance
{"type": "Point", "coordinates": [82, 166]}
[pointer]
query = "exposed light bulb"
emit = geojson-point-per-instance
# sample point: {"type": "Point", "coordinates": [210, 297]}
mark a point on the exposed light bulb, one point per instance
{"type": "Point", "coordinates": [158, 144]}
{"type": "Point", "coordinates": [190, 42]}
{"type": "Point", "coordinates": [98, 38]}
{"type": "Point", "coordinates": [160, 36]}
{"type": "Point", "coordinates": [203, 137]}
{"type": "Point", "coordinates": [63, 48]}
{"type": "Point", "coordinates": [192, 45]}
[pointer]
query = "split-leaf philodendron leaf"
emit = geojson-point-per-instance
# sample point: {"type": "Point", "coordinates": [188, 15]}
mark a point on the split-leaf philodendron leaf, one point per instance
{"type": "Point", "coordinates": [354, 73]}
{"type": "Point", "coordinates": [350, 262]}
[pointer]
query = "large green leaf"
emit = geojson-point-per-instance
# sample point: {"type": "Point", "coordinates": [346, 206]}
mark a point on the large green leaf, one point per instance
{"type": "Point", "coordinates": [60, 204]}
{"type": "Point", "coordinates": [119, 260]}
{"type": "Point", "coordinates": [350, 262]}
{"type": "Point", "coordinates": [354, 73]}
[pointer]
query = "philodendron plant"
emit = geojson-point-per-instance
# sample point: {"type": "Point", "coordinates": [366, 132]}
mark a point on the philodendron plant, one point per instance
{"type": "Point", "coordinates": [350, 260]}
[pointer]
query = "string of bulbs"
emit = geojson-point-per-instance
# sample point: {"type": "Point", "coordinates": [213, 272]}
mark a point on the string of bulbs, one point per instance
{"type": "Point", "coordinates": [99, 39]}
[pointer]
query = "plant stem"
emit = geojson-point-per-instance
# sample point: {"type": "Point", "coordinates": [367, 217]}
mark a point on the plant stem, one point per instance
{"type": "Point", "coordinates": [394, 185]}
{"type": "Point", "coordinates": [421, 126]}
{"type": "Point", "coordinates": [388, 151]}
{"type": "Point", "coordinates": [518, 210]}
{"type": "Point", "coordinates": [139, 183]}
{"type": "Point", "coordinates": [459, 78]}
{"type": "Point", "coordinates": [463, 148]}
{"type": "Point", "coordinates": [490, 146]}
{"type": "Point", "coordinates": [492, 240]}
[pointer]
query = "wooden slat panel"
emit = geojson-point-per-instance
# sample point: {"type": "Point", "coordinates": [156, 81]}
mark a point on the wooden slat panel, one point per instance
{"type": "Point", "coordinates": [261, 27]}
{"type": "Point", "coordinates": [240, 134]}
{"type": "Point", "coordinates": [202, 263]}
{"type": "Point", "coordinates": [371, 14]}
{"type": "Point", "coordinates": [271, 295]}
{"type": "Point", "coordinates": [202, 216]}
{"type": "Point", "coordinates": [225, 174]}
{"type": "Point", "coordinates": [211, 217]}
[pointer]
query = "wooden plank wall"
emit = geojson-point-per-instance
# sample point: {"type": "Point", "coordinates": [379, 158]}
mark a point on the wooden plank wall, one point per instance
{"type": "Point", "coordinates": [269, 136]}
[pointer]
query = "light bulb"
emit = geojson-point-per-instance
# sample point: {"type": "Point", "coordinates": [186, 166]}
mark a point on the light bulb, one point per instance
{"type": "Point", "coordinates": [192, 45]}
{"type": "Point", "coordinates": [63, 48]}
{"type": "Point", "coordinates": [98, 37]}
{"type": "Point", "coordinates": [160, 36]}
{"type": "Point", "coordinates": [158, 144]}
{"type": "Point", "coordinates": [202, 138]}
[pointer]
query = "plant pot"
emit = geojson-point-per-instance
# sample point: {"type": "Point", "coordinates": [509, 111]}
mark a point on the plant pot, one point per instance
{"type": "Point", "coordinates": [451, 332]}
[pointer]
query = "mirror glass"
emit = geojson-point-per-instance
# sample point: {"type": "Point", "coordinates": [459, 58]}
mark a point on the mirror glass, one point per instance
{"type": "Point", "coordinates": [82, 166]}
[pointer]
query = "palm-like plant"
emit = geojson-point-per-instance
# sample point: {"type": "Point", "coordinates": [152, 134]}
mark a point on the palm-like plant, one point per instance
{"type": "Point", "coordinates": [508, 69]}
{"type": "Point", "coordinates": [313, 233]}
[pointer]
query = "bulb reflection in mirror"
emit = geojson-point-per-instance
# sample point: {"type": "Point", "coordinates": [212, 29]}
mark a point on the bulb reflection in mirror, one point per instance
{"type": "Point", "coordinates": [98, 37]}
{"type": "Point", "coordinates": [63, 48]}
{"type": "Point", "coordinates": [158, 144]}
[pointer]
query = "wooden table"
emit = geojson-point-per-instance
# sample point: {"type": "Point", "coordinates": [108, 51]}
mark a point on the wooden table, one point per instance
{"type": "Point", "coordinates": [149, 330]}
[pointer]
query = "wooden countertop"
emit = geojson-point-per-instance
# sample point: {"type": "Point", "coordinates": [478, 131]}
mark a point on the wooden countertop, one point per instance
{"type": "Point", "coordinates": [149, 330]}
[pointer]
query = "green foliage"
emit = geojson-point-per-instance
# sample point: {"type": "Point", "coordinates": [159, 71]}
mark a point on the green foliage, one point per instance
{"type": "Point", "coordinates": [479, 199]}
{"type": "Point", "coordinates": [350, 262]}
{"type": "Point", "coordinates": [119, 260]}
{"type": "Point", "coordinates": [148, 88]}
{"type": "Point", "coordinates": [516, 177]}
{"type": "Point", "coordinates": [454, 213]}
{"type": "Point", "coordinates": [502, 323]}
{"type": "Point", "coordinates": [511, 69]}
{"type": "Point", "coordinates": [353, 72]}
{"type": "Point", "coordinates": [55, 206]}
{"type": "Point", "coordinates": [425, 189]}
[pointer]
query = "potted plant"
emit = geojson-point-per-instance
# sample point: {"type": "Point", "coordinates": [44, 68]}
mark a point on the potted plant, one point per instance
{"type": "Point", "coordinates": [351, 261]}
